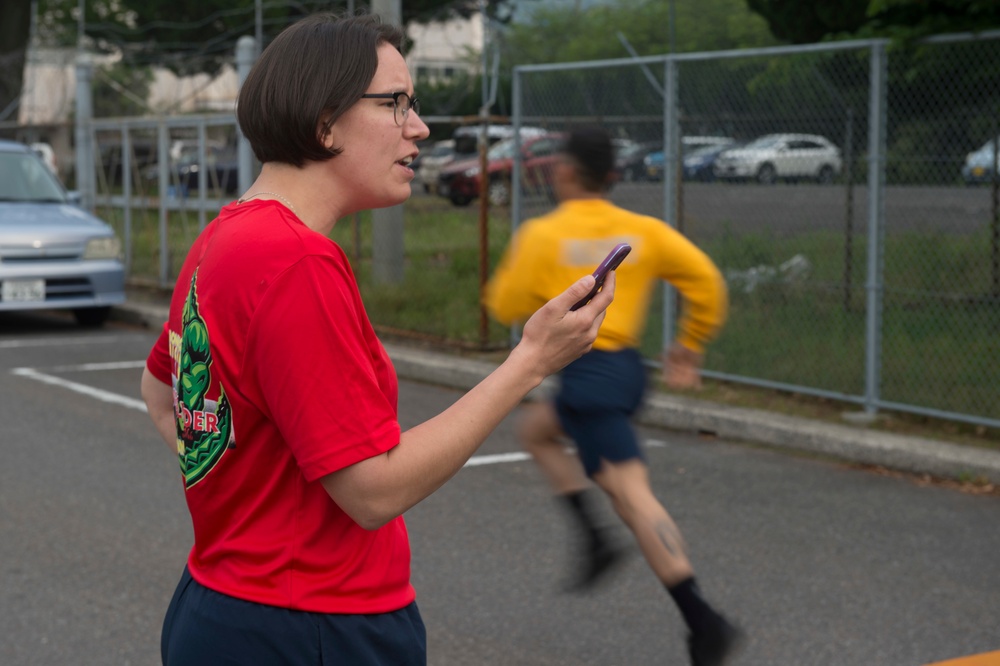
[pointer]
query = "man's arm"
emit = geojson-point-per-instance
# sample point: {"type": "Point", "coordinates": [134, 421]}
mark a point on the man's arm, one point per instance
{"type": "Point", "coordinates": [706, 303]}
{"type": "Point", "coordinates": [509, 296]}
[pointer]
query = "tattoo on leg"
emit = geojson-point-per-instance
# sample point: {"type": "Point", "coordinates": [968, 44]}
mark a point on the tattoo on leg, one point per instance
{"type": "Point", "coordinates": [669, 537]}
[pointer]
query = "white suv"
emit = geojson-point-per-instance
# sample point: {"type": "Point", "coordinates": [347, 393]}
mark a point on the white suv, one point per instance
{"type": "Point", "coordinates": [775, 156]}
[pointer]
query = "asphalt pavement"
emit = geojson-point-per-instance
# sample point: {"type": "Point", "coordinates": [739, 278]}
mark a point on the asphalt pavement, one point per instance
{"type": "Point", "coordinates": [849, 442]}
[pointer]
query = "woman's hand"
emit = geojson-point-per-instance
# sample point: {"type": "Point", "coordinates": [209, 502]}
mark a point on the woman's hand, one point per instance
{"type": "Point", "coordinates": [555, 336]}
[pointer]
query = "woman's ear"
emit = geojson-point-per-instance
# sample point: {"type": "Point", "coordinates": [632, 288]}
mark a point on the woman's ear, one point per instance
{"type": "Point", "coordinates": [325, 132]}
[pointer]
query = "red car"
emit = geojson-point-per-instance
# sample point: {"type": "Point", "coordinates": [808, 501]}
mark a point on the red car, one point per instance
{"type": "Point", "coordinates": [459, 181]}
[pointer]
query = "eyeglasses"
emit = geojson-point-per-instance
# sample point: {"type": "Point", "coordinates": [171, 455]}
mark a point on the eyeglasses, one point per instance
{"type": "Point", "coordinates": [401, 104]}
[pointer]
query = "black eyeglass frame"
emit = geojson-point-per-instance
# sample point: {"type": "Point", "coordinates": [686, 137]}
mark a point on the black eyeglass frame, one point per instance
{"type": "Point", "coordinates": [394, 96]}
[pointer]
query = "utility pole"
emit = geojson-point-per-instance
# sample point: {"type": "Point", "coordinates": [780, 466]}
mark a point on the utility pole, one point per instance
{"type": "Point", "coordinates": [387, 223]}
{"type": "Point", "coordinates": [258, 19]}
{"type": "Point", "coordinates": [484, 202]}
{"type": "Point", "coordinates": [81, 21]}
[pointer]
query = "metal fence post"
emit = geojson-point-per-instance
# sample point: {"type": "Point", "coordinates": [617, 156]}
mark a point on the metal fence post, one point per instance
{"type": "Point", "coordinates": [876, 226]}
{"type": "Point", "coordinates": [163, 151]}
{"type": "Point", "coordinates": [671, 146]}
{"type": "Point", "coordinates": [246, 54]}
{"type": "Point", "coordinates": [84, 145]}
{"type": "Point", "coordinates": [388, 252]}
{"type": "Point", "coordinates": [127, 197]}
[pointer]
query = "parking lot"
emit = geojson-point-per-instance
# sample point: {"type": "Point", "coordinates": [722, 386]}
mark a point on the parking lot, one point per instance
{"type": "Point", "coordinates": [823, 564]}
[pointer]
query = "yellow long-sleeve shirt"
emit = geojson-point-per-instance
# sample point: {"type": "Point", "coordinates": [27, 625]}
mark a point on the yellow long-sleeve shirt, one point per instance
{"type": "Point", "coordinates": [549, 253]}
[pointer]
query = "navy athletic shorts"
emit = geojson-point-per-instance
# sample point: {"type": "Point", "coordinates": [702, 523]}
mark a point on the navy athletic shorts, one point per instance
{"type": "Point", "coordinates": [598, 394]}
{"type": "Point", "coordinates": [204, 627]}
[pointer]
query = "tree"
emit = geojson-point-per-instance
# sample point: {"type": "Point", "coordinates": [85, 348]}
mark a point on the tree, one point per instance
{"type": "Point", "coordinates": [807, 22]}
{"type": "Point", "coordinates": [14, 35]}
{"type": "Point", "coordinates": [572, 34]}
{"type": "Point", "coordinates": [148, 33]}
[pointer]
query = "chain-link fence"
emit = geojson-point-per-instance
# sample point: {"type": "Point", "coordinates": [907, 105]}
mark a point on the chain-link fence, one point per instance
{"type": "Point", "coordinates": [848, 191]}
{"type": "Point", "coordinates": [839, 189]}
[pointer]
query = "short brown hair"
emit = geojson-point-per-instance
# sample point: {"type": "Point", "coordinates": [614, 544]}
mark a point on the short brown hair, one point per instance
{"type": "Point", "coordinates": [592, 154]}
{"type": "Point", "coordinates": [312, 72]}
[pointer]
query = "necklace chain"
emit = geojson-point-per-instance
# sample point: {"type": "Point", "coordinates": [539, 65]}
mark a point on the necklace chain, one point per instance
{"type": "Point", "coordinates": [273, 194]}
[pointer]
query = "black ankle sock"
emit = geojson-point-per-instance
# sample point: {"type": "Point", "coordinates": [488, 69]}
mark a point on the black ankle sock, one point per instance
{"type": "Point", "coordinates": [698, 614]}
{"type": "Point", "coordinates": [581, 506]}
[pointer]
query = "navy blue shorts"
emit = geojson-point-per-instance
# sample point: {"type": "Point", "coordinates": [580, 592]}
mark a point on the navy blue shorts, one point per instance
{"type": "Point", "coordinates": [204, 627]}
{"type": "Point", "coordinates": [598, 394]}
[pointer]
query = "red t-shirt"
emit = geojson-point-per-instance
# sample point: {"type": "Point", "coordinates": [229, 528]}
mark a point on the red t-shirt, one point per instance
{"type": "Point", "coordinates": [278, 381]}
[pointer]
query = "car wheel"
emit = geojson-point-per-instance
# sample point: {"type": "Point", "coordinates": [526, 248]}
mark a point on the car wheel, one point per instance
{"type": "Point", "coordinates": [825, 175]}
{"type": "Point", "coordinates": [499, 192]}
{"type": "Point", "coordinates": [460, 200]}
{"type": "Point", "coordinates": [91, 317]}
{"type": "Point", "coordinates": [766, 175]}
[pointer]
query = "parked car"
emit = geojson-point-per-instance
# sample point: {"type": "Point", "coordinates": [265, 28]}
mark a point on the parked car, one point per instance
{"type": "Point", "coordinates": [53, 254]}
{"type": "Point", "coordinates": [142, 155]}
{"type": "Point", "coordinates": [431, 161]}
{"type": "Point", "coordinates": [655, 162]}
{"type": "Point", "coordinates": [221, 163]}
{"type": "Point", "coordinates": [223, 172]}
{"type": "Point", "coordinates": [48, 155]}
{"type": "Point", "coordinates": [459, 181]}
{"type": "Point", "coordinates": [700, 164]}
{"type": "Point", "coordinates": [466, 138]}
{"type": "Point", "coordinates": [629, 159]}
{"type": "Point", "coordinates": [979, 165]}
{"type": "Point", "coordinates": [775, 156]}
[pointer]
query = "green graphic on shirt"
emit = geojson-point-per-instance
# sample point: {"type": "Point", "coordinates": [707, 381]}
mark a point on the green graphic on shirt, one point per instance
{"type": "Point", "coordinates": [204, 427]}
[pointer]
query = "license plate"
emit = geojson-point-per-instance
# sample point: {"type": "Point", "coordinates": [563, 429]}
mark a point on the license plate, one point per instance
{"type": "Point", "coordinates": [978, 171]}
{"type": "Point", "coordinates": [23, 290]}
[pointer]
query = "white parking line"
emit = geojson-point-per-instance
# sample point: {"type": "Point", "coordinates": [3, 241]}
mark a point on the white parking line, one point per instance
{"type": "Point", "coordinates": [112, 365]}
{"type": "Point", "coordinates": [55, 342]}
{"type": "Point", "coordinates": [97, 394]}
{"type": "Point", "coordinates": [497, 458]}
{"type": "Point", "coordinates": [132, 403]}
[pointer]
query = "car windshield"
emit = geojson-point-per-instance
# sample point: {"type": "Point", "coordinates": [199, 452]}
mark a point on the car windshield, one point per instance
{"type": "Point", "coordinates": [986, 148]}
{"type": "Point", "coordinates": [503, 150]}
{"type": "Point", "coordinates": [24, 178]}
{"type": "Point", "coordinates": [763, 143]}
{"type": "Point", "coordinates": [708, 151]}
{"type": "Point", "coordinates": [630, 150]}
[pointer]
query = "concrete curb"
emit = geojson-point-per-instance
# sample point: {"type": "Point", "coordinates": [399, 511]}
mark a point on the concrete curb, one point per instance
{"type": "Point", "coordinates": [842, 442]}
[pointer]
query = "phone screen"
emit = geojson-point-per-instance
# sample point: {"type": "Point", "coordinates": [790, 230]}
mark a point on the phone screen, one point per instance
{"type": "Point", "coordinates": [610, 263]}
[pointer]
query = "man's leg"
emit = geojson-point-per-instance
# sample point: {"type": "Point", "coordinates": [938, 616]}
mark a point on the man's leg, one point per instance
{"type": "Point", "coordinates": [542, 436]}
{"type": "Point", "coordinates": [627, 484]}
{"type": "Point", "coordinates": [712, 637]}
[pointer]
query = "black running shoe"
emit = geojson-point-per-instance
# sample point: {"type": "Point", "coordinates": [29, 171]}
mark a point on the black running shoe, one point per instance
{"type": "Point", "coordinates": [717, 646]}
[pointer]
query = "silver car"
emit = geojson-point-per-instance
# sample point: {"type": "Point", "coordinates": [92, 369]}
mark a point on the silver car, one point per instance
{"type": "Point", "coordinates": [53, 254]}
{"type": "Point", "coordinates": [781, 156]}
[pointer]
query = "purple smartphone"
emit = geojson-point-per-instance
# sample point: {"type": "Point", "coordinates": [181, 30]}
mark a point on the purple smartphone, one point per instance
{"type": "Point", "coordinates": [610, 263]}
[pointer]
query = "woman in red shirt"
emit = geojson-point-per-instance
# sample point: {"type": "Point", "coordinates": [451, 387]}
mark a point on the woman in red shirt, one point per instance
{"type": "Point", "coordinates": [280, 402]}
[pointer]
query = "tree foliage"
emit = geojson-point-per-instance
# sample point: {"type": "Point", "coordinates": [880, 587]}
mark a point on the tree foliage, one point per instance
{"type": "Point", "coordinates": [186, 36]}
{"type": "Point", "coordinates": [807, 22]}
{"type": "Point", "coordinates": [14, 40]}
{"type": "Point", "coordinates": [571, 34]}
{"type": "Point", "coordinates": [151, 32]}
